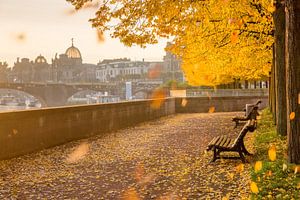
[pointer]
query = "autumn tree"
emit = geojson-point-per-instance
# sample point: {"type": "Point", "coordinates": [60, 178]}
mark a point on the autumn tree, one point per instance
{"type": "Point", "coordinates": [217, 40]}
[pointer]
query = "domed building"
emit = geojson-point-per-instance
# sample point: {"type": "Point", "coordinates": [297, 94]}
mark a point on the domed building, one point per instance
{"type": "Point", "coordinates": [73, 52]}
{"type": "Point", "coordinates": [68, 67]}
{"type": "Point", "coordinates": [40, 60]}
{"type": "Point", "coordinates": [65, 68]}
{"type": "Point", "coordinates": [41, 69]}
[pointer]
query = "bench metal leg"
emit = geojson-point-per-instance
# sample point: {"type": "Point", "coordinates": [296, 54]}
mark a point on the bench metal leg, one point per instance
{"type": "Point", "coordinates": [242, 156]}
{"type": "Point", "coordinates": [216, 154]}
{"type": "Point", "coordinates": [245, 150]}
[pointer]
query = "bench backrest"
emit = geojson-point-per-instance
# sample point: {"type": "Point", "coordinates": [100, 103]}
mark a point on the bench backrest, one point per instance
{"type": "Point", "coordinates": [252, 110]}
{"type": "Point", "coordinates": [249, 126]}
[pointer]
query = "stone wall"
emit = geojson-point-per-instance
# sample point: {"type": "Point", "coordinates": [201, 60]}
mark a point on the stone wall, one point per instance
{"type": "Point", "coordinates": [23, 132]}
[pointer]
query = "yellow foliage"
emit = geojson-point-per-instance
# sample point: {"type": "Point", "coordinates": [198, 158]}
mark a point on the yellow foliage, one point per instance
{"type": "Point", "coordinates": [217, 40]}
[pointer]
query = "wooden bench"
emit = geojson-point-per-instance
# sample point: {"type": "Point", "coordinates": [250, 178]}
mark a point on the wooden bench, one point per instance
{"type": "Point", "coordinates": [251, 112]}
{"type": "Point", "coordinates": [224, 144]}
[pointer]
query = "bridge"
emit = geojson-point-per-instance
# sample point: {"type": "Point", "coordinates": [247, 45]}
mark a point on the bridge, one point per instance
{"type": "Point", "coordinates": [57, 94]}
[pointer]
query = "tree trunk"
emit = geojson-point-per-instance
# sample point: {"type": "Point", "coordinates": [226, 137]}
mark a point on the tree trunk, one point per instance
{"type": "Point", "coordinates": [293, 78]}
{"type": "Point", "coordinates": [279, 21]}
{"type": "Point", "coordinates": [270, 89]}
{"type": "Point", "coordinates": [273, 88]}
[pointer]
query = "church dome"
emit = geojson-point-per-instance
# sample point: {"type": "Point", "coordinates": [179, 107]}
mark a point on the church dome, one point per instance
{"type": "Point", "coordinates": [73, 52]}
{"type": "Point", "coordinates": [40, 59]}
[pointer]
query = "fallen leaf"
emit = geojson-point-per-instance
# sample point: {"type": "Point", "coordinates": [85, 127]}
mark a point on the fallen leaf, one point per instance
{"type": "Point", "coordinates": [269, 173]}
{"type": "Point", "coordinates": [272, 153]}
{"type": "Point", "coordinates": [158, 97]}
{"type": "Point", "coordinates": [147, 179]}
{"type": "Point", "coordinates": [234, 38]}
{"type": "Point", "coordinates": [292, 116]}
{"type": "Point", "coordinates": [257, 166]}
{"type": "Point", "coordinates": [130, 194]}
{"type": "Point", "coordinates": [240, 168]}
{"type": "Point", "coordinates": [20, 37]}
{"type": "Point", "coordinates": [78, 153]}
{"type": "Point", "coordinates": [253, 187]}
{"type": "Point", "coordinates": [183, 102]}
{"type": "Point", "coordinates": [154, 72]}
{"type": "Point", "coordinates": [100, 36]}
{"type": "Point", "coordinates": [231, 176]}
{"type": "Point", "coordinates": [211, 109]}
{"type": "Point", "coordinates": [139, 171]}
{"type": "Point", "coordinates": [15, 131]}
{"type": "Point", "coordinates": [284, 167]}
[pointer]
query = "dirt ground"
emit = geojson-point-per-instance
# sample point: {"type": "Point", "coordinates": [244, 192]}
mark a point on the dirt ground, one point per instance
{"type": "Point", "coordinates": [162, 159]}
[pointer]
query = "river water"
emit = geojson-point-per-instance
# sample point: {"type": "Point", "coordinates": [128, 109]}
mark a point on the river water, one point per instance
{"type": "Point", "coordinates": [14, 108]}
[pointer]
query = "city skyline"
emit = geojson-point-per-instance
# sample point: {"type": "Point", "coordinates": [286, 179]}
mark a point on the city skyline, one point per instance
{"type": "Point", "coordinates": [45, 27]}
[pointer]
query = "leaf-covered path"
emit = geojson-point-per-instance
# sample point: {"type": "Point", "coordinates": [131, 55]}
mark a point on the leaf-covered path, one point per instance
{"type": "Point", "coordinates": [162, 159]}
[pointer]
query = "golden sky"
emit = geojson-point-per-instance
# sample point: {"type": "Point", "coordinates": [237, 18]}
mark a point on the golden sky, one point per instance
{"type": "Point", "coordinates": [33, 27]}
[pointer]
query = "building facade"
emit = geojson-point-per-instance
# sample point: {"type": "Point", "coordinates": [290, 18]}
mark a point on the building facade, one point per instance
{"type": "Point", "coordinates": [68, 67]}
{"type": "Point", "coordinates": [121, 70]}
{"type": "Point", "coordinates": [172, 67]}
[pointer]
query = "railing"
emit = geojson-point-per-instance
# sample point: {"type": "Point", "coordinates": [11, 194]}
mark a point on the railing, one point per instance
{"type": "Point", "coordinates": [227, 92]}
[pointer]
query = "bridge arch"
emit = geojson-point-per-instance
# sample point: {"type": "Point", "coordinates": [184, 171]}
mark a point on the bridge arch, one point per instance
{"type": "Point", "coordinates": [82, 96]}
{"type": "Point", "coordinates": [23, 94]}
{"type": "Point", "coordinates": [142, 93]}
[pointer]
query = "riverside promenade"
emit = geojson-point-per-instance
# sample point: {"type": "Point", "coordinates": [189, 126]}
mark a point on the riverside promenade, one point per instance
{"type": "Point", "coordinates": [160, 159]}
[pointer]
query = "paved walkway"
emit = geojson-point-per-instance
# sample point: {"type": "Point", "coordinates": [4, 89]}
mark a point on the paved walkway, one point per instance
{"type": "Point", "coordinates": [162, 159]}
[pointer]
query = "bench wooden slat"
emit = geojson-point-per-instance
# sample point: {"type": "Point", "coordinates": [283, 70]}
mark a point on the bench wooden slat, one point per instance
{"type": "Point", "coordinates": [227, 144]}
{"type": "Point", "coordinates": [214, 140]}
{"type": "Point", "coordinates": [223, 142]}
{"type": "Point", "coordinates": [220, 142]}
